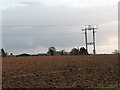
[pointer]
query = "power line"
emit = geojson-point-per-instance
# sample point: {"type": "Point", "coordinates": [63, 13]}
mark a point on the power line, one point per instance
{"type": "Point", "coordinates": [38, 25]}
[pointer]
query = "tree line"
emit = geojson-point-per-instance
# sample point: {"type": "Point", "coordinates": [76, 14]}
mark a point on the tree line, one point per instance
{"type": "Point", "coordinates": [51, 52]}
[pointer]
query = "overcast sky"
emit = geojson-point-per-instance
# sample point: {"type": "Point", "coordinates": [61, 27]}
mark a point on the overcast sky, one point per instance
{"type": "Point", "coordinates": [32, 27]}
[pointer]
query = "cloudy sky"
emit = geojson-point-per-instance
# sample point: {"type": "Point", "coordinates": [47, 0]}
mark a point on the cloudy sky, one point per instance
{"type": "Point", "coordinates": [34, 26]}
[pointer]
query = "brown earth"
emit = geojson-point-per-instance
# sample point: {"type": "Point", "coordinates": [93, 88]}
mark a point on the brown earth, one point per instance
{"type": "Point", "coordinates": [60, 71]}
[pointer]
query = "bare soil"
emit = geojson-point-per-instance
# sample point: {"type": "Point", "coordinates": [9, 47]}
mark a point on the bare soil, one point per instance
{"type": "Point", "coordinates": [85, 71]}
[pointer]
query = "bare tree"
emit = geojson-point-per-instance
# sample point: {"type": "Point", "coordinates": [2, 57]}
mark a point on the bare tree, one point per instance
{"type": "Point", "coordinates": [3, 54]}
{"type": "Point", "coordinates": [74, 51]}
{"type": "Point", "coordinates": [51, 51]}
{"type": "Point", "coordinates": [83, 51]}
{"type": "Point", "coordinates": [62, 52]}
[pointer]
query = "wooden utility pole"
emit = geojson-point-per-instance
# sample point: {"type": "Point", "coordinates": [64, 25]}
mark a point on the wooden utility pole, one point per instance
{"type": "Point", "coordinates": [86, 39]}
{"type": "Point", "coordinates": [90, 27]}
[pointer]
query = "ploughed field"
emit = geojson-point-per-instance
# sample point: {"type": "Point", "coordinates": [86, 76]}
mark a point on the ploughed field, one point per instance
{"type": "Point", "coordinates": [60, 71]}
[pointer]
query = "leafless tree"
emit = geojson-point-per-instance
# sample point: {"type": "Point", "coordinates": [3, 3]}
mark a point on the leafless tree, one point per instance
{"type": "Point", "coordinates": [3, 54]}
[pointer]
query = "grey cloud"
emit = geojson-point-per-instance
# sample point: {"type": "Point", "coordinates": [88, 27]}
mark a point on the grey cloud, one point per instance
{"type": "Point", "coordinates": [34, 26]}
{"type": "Point", "coordinates": [35, 38]}
{"type": "Point", "coordinates": [36, 15]}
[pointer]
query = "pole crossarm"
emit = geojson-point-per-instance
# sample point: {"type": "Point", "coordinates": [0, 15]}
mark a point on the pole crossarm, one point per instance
{"type": "Point", "coordinates": [90, 43]}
